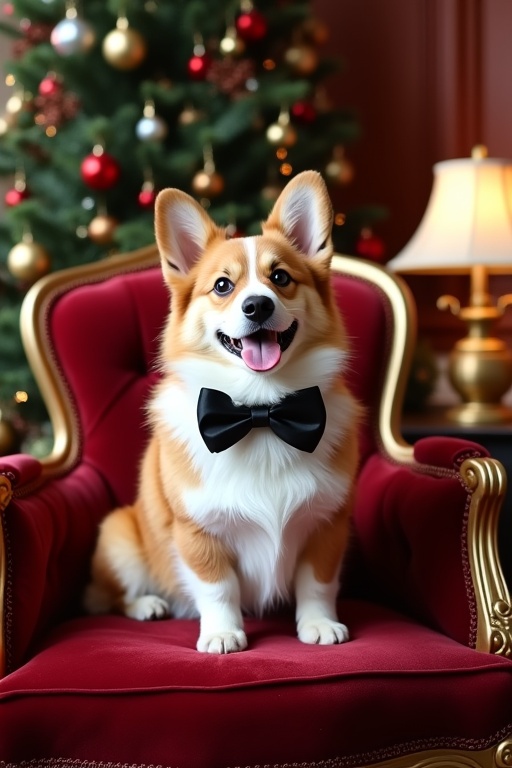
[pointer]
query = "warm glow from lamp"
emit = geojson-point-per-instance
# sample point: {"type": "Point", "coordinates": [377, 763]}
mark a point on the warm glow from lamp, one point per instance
{"type": "Point", "coordinates": [467, 228]}
{"type": "Point", "coordinates": [468, 219]}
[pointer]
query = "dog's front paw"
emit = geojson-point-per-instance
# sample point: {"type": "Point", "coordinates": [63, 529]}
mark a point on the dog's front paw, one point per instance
{"type": "Point", "coordinates": [147, 608]}
{"type": "Point", "coordinates": [223, 642]}
{"type": "Point", "coordinates": [323, 632]}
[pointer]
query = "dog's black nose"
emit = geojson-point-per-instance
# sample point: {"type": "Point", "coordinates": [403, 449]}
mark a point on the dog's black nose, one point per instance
{"type": "Point", "coordinates": [258, 308]}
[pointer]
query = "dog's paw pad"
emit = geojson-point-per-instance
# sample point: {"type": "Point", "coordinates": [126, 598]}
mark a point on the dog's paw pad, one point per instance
{"type": "Point", "coordinates": [147, 608]}
{"type": "Point", "coordinates": [222, 642]}
{"type": "Point", "coordinates": [323, 632]}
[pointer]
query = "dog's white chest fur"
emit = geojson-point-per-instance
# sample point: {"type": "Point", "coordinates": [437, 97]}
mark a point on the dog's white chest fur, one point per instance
{"type": "Point", "coordinates": [262, 498]}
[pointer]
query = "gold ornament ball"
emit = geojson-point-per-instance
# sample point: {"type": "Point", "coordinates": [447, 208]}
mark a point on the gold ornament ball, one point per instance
{"type": "Point", "coordinates": [101, 229]}
{"type": "Point", "coordinates": [189, 116]}
{"type": "Point", "coordinates": [340, 171]}
{"type": "Point", "coordinates": [207, 184]}
{"type": "Point", "coordinates": [231, 45]}
{"type": "Point", "coordinates": [28, 261]}
{"type": "Point", "coordinates": [124, 48]}
{"type": "Point", "coordinates": [281, 135]}
{"type": "Point", "coordinates": [316, 31]}
{"type": "Point", "coordinates": [302, 59]}
{"type": "Point", "coordinates": [8, 437]}
{"type": "Point", "coordinates": [271, 192]}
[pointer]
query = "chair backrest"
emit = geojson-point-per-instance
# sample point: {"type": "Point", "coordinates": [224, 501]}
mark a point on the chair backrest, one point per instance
{"type": "Point", "coordinates": [92, 337]}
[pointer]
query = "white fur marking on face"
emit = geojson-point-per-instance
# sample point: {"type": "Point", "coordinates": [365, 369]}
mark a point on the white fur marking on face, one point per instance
{"type": "Point", "coordinates": [251, 254]}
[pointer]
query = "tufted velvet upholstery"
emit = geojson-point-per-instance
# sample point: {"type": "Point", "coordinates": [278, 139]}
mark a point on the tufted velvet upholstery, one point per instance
{"type": "Point", "coordinates": [109, 690]}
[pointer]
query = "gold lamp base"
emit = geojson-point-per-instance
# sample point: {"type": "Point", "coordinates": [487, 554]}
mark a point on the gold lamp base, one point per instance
{"type": "Point", "coordinates": [474, 414]}
{"type": "Point", "coordinates": [480, 367]}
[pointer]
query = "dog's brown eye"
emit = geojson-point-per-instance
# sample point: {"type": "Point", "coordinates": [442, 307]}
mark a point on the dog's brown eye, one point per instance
{"type": "Point", "coordinates": [223, 286]}
{"type": "Point", "coordinates": [281, 278]}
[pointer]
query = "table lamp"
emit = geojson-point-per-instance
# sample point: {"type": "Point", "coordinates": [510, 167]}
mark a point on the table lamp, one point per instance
{"type": "Point", "coordinates": [467, 229]}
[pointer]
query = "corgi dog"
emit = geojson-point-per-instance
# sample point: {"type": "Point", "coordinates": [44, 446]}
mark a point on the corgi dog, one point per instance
{"type": "Point", "coordinates": [246, 485]}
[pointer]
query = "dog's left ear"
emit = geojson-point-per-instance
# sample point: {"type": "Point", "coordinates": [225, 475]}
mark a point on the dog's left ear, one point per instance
{"type": "Point", "coordinates": [303, 213]}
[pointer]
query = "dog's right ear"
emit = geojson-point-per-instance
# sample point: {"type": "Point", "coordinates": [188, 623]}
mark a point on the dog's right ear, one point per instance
{"type": "Point", "coordinates": [182, 229]}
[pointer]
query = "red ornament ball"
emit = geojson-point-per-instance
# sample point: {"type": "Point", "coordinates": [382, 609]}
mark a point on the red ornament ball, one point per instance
{"type": "Point", "coordinates": [370, 247]}
{"type": "Point", "coordinates": [49, 86]}
{"type": "Point", "coordinates": [15, 196]}
{"type": "Point", "coordinates": [303, 112]}
{"type": "Point", "coordinates": [100, 171]}
{"type": "Point", "coordinates": [147, 198]}
{"type": "Point", "coordinates": [251, 26]}
{"type": "Point", "coordinates": [198, 67]}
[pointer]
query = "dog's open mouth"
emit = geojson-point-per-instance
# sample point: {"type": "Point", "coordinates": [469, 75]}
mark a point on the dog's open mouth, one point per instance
{"type": "Point", "coordinates": [262, 350]}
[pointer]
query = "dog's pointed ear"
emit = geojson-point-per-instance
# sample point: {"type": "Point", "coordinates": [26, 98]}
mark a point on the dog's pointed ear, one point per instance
{"type": "Point", "coordinates": [182, 229]}
{"type": "Point", "coordinates": [303, 214]}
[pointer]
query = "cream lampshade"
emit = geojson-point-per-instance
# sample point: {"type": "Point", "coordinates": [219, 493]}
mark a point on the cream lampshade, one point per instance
{"type": "Point", "coordinates": [467, 228]}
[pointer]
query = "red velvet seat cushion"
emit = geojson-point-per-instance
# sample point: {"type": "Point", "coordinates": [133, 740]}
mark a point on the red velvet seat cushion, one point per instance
{"type": "Point", "coordinates": [113, 689]}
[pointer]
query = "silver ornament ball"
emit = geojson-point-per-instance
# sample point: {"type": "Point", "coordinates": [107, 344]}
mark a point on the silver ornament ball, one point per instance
{"type": "Point", "coordinates": [72, 36]}
{"type": "Point", "coordinates": [151, 129]}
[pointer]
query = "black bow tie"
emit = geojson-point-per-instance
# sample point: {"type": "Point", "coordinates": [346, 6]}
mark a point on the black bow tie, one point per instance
{"type": "Point", "coordinates": [299, 419]}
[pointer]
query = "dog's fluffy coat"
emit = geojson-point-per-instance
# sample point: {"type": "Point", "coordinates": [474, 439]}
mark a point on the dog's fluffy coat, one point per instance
{"type": "Point", "coordinates": [213, 535]}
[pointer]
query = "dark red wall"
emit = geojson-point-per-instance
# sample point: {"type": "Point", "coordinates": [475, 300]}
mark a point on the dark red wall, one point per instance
{"type": "Point", "coordinates": [428, 79]}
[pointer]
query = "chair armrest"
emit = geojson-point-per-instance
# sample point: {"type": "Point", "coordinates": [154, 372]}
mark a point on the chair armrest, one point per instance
{"type": "Point", "coordinates": [21, 469]}
{"type": "Point", "coordinates": [49, 527]}
{"type": "Point", "coordinates": [415, 534]}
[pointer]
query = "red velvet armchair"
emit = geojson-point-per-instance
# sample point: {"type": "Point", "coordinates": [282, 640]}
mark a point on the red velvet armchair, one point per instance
{"type": "Point", "coordinates": [427, 675]}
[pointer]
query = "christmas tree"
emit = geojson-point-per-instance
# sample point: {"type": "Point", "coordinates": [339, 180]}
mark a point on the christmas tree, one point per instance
{"type": "Point", "coordinates": [113, 100]}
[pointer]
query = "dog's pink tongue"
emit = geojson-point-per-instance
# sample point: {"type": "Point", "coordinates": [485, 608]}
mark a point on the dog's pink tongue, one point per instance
{"type": "Point", "coordinates": [261, 352]}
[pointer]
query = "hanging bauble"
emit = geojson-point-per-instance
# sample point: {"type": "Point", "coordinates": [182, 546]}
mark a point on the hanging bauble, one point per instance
{"type": "Point", "coordinates": [339, 170]}
{"type": "Point", "coordinates": [302, 59]}
{"type": "Point", "coordinates": [9, 438]}
{"type": "Point", "coordinates": [7, 121]}
{"type": "Point", "coordinates": [207, 184]}
{"type": "Point", "coordinates": [124, 48]}
{"type": "Point", "coordinates": [232, 231]}
{"type": "Point", "coordinates": [16, 104]}
{"type": "Point", "coordinates": [271, 192]}
{"type": "Point", "coordinates": [231, 44]}
{"type": "Point", "coordinates": [15, 196]}
{"type": "Point", "coordinates": [190, 115]}
{"type": "Point", "coordinates": [147, 195]}
{"type": "Point", "coordinates": [49, 85]}
{"type": "Point", "coordinates": [282, 134]}
{"type": "Point", "coordinates": [198, 66]}
{"type": "Point", "coordinates": [251, 26]}
{"type": "Point", "coordinates": [28, 261]}
{"type": "Point", "coordinates": [303, 112]}
{"type": "Point", "coordinates": [151, 127]}
{"type": "Point", "coordinates": [369, 246]}
{"type": "Point", "coordinates": [316, 31]}
{"type": "Point", "coordinates": [100, 170]}
{"type": "Point", "coordinates": [19, 191]}
{"type": "Point", "coordinates": [72, 35]}
{"type": "Point", "coordinates": [101, 229]}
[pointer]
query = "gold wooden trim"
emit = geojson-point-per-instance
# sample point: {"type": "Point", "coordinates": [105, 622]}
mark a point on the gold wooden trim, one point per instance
{"type": "Point", "coordinates": [5, 497]}
{"type": "Point", "coordinates": [497, 756]}
{"type": "Point", "coordinates": [488, 482]}
{"type": "Point", "coordinates": [39, 350]}
{"type": "Point", "coordinates": [401, 350]}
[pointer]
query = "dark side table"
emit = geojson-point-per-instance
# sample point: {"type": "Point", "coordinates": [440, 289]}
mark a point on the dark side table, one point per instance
{"type": "Point", "coordinates": [498, 441]}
